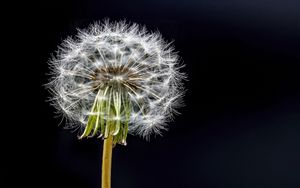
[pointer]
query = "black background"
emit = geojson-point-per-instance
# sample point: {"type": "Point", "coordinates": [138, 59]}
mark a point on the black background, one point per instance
{"type": "Point", "coordinates": [240, 126]}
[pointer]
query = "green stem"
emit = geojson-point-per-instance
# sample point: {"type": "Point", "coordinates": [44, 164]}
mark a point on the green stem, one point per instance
{"type": "Point", "coordinates": [106, 161]}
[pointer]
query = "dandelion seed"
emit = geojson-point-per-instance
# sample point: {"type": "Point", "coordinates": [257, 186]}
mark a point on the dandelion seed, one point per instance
{"type": "Point", "coordinates": [110, 58]}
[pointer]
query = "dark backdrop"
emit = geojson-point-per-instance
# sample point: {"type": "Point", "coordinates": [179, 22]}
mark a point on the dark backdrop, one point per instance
{"type": "Point", "coordinates": [241, 123]}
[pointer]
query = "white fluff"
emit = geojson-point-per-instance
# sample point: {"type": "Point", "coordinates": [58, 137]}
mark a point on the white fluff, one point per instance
{"type": "Point", "coordinates": [85, 64]}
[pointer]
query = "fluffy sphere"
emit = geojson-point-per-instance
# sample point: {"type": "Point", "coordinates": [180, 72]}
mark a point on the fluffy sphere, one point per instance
{"type": "Point", "coordinates": [123, 66]}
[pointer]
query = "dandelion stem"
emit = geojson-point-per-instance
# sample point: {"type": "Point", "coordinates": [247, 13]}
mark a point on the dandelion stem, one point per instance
{"type": "Point", "coordinates": [106, 162]}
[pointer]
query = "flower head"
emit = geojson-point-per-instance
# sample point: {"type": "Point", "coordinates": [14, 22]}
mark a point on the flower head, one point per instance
{"type": "Point", "coordinates": [115, 78]}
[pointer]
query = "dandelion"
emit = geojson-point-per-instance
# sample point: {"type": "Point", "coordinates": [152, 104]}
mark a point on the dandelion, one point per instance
{"type": "Point", "coordinates": [116, 78]}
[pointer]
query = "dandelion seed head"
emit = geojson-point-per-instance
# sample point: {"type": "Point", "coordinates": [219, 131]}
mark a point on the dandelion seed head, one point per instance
{"type": "Point", "coordinates": [126, 63]}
